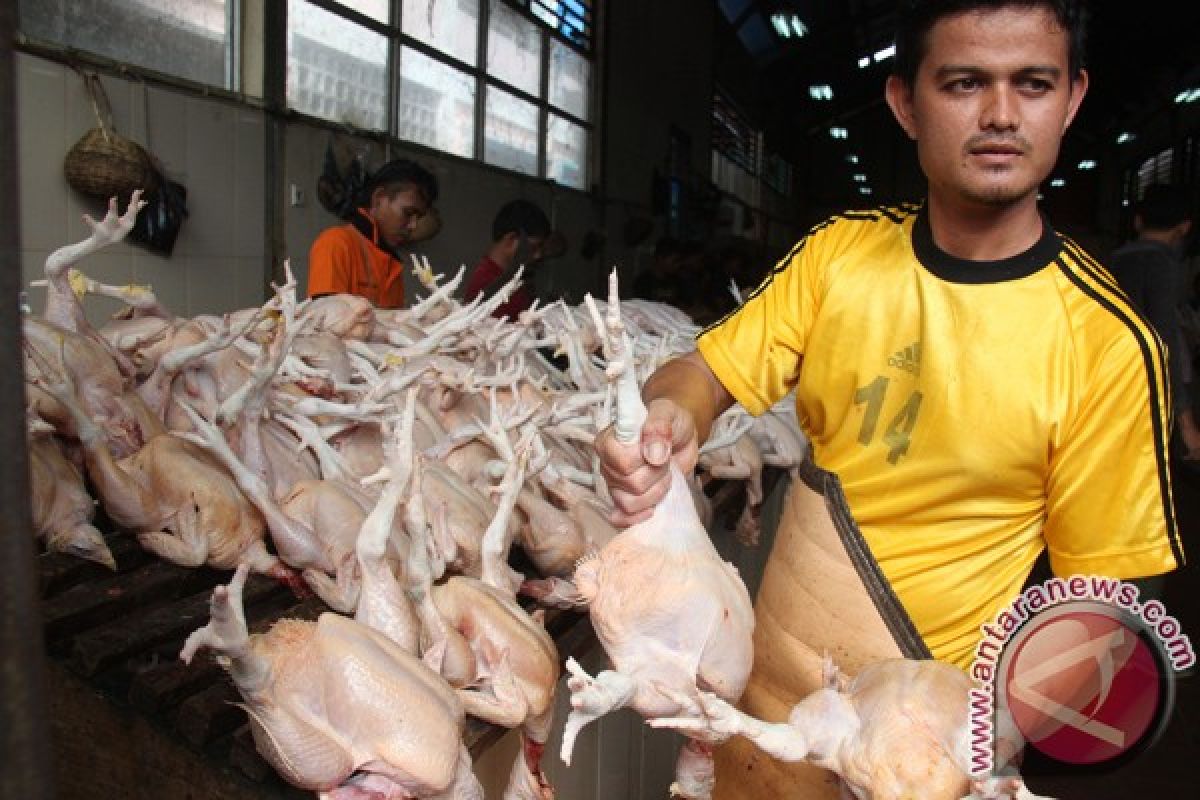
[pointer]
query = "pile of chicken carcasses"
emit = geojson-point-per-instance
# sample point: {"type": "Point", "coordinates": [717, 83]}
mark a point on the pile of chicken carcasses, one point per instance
{"type": "Point", "coordinates": [386, 460]}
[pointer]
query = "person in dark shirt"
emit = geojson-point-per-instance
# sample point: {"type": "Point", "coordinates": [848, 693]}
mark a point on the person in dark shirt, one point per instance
{"type": "Point", "coordinates": [519, 234]}
{"type": "Point", "coordinates": [672, 275]}
{"type": "Point", "coordinates": [1150, 271]}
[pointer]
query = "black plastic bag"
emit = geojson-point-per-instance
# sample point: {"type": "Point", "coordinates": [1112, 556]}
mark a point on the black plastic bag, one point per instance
{"type": "Point", "coordinates": [158, 224]}
{"type": "Point", "coordinates": [343, 178]}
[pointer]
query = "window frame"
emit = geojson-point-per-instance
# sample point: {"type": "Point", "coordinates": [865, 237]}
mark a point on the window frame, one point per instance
{"type": "Point", "coordinates": [249, 54]}
{"type": "Point", "coordinates": [483, 79]}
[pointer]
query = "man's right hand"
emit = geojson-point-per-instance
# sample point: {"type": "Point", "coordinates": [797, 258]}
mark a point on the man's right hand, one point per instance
{"type": "Point", "coordinates": [638, 474]}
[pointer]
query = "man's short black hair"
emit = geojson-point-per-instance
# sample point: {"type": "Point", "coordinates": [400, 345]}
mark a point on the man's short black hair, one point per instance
{"type": "Point", "coordinates": [520, 217]}
{"type": "Point", "coordinates": [1164, 206]}
{"type": "Point", "coordinates": [398, 174]}
{"type": "Point", "coordinates": [917, 17]}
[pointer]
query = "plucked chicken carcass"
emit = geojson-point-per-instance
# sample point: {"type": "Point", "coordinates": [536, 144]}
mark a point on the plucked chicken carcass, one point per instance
{"type": "Point", "coordinates": [339, 708]}
{"type": "Point", "coordinates": [669, 612]}
{"type": "Point", "coordinates": [181, 504]}
{"type": "Point", "coordinates": [313, 527]}
{"type": "Point", "coordinates": [899, 729]}
{"type": "Point", "coordinates": [62, 508]}
{"type": "Point", "coordinates": [499, 659]}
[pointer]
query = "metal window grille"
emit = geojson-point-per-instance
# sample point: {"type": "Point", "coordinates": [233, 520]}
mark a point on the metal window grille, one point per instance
{"type": "Point", "coordinates": [733, 135]}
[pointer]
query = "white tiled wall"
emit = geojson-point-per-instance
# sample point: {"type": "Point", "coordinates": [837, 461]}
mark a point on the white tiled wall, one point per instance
{"type": "Point", "coordinates": [215, 149]}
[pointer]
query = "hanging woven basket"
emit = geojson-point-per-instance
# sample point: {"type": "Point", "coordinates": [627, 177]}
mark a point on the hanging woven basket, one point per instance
{"type": "Point", "coordinates": [103, 163]}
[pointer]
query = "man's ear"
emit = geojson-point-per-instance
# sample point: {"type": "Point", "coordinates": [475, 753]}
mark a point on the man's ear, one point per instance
{"type": "Point", "coordinates": [377, 198]}
{"type": "Point", "coordinates": [900, 100]}
{"type": "Point", "coordinates": [1079, 87]}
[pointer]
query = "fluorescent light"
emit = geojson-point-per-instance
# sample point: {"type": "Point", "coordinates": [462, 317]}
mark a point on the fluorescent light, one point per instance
{"type": "Point", "coordinates": [860, 178]}
{"type": "Point", "coordinates": [1188, 96]}
{"type": "Point", "coordinates": [1126, 137]}
{"type": "Point", "coordinates": [864, 190]}
{"type": "Point", "coordinates": [864, 62]}
{"type": "Point", "coordinates": [838, 133]}
{"type": "Point", "coordinates": [1058, 183]}
{"type": "Point", "coordinates": [1125, 202]}
{"type": "Point", "coordinates": [886, 52]}
{"type": "Point", "coordinates": [853, 159]}
{"type": "Point", "coordinates": [1087, 164]}
{"type": "Point", "coordinates": [780, 23]}
{"type": "Point", "coordinates": [821, 92]}
{"type": "Point", "coordinates": [798, 26]}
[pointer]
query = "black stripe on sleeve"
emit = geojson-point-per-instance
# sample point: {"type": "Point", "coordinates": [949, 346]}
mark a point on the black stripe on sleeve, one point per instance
{"type": "Point", "coordinates": [781, 265]}
{"type": "Point", "coordinates": [895, 215]}
{"type": "Point", "coordinates": [1156, 415]}
{"type": "Point", "coordinates": [1102, 276]}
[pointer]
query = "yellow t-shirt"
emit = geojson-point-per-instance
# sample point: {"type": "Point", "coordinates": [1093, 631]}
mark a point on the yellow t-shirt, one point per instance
{"type": "Point", "coordinates": [975, 412]}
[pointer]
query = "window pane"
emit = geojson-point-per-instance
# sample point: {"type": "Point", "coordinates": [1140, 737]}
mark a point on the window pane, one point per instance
{"type": "Point", "coordinates": [336, 69]}
{"type": "Point", "coordinates": [375, 9]}
{"type": "Point", "coordinates": [510, 137]}
{"type": "Point", "coordinates": [566, 152]}
{"type": "Point", "coordinates": [571, 18]}
{"type": "Point", "coordinates": [191, 38]}
{"type": "Point", "coordinates": [514, 48]}
{"type": "Point", "coordinates": [452, 27]}
{"type": "Point", "coordinates": [569, 74]}
{"type": "Point", "coordinates": [437, 104]}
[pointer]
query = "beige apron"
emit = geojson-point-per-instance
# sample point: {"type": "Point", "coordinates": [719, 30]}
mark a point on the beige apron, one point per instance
{"type": "Point", "coordinates": [822, 592]}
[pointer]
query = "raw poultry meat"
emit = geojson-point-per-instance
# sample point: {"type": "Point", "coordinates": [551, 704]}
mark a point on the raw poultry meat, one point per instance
{"type": "Point", "coordinates": [62, 508]}
{"type": "Point", "coordinates": [338, 708]}
{"type": "Point", "coordinates": [102, 390]}
{"type": "Point", "coordinates": [669, 612]}
{"type": "Point", "coordinates": [500, 660]}
{"type": "Point", "coordinates": [313, 527]}
{"type": "Point", "coordinates": [181, 504]}
{"type": "Point", "coordinates": [313, 397]}
{"type": "Point", "coordinates": [898, 729]}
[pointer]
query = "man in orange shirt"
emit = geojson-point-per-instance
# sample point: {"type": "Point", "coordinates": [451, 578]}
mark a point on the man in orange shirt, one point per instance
{"type": "Point", "coordinates": [360, 257]}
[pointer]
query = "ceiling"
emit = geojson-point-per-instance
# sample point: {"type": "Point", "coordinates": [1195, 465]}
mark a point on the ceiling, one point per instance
{"type": "Point", "coordinates": [1140, 55]}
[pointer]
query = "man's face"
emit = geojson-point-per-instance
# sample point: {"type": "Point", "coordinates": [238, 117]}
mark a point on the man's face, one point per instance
{"type": "Point", "coordinates": [990, 103]}
{"type": "Point", "coordinates": [535, 246]}
{"type": "Point", "coordinates": [528, 250]}
{"type": "Point", "coordinates": [397, 216]}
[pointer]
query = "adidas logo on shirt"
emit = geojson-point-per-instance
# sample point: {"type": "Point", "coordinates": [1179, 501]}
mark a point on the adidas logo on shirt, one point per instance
{"type": "Point", "coordinates": [907, 359]}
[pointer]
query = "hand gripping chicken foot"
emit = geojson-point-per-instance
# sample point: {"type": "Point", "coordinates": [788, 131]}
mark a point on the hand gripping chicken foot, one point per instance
{"type": "Point", "coordinates": [592, 698]}
{"type": "Point", "coordinates": [226, 634]}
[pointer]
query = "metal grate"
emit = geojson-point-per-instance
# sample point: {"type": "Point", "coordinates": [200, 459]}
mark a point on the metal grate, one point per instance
{"type": "Point", "coordinates": [733, 135]}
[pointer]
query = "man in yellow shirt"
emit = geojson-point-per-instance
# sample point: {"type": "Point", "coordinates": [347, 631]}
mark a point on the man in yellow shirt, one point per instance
{"type": "Point", "coordinates": [978, 384]}
{"type": "Point", "coordinates": [361, 256]}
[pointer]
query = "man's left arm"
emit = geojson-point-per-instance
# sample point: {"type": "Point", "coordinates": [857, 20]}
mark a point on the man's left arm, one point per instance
{"type": "Point", "coordinates": [1109, 509]}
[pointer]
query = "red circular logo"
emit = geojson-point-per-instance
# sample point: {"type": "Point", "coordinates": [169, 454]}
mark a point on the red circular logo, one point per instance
{"type": "Point", "coordinates": [1084, 683]}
